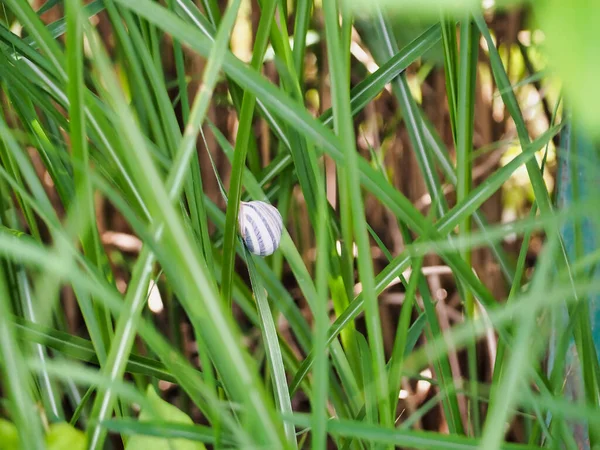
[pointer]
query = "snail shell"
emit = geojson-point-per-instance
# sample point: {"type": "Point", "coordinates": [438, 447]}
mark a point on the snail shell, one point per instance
{"type": "Point", "coordinates": [261, 226]}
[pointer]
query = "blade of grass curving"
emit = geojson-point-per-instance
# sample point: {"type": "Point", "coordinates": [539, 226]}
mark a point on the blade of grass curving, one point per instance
{"type": "Point", "coordinates": [239, 156]}
{"type": "Point", "coordinates": [271, 343]}
{"type": "Point", "coordinates": [142, 271]}
{"type": "Point", "coordinates": [345, 130]}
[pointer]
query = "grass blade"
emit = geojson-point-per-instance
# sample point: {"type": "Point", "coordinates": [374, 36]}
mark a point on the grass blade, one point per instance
{"type": "Point", "coordinates": [345, 131]}
{"type": "Point", "coordinates": [282, 397]}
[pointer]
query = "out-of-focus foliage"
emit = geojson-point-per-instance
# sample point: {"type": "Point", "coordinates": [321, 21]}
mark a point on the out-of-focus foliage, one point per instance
{"type": "Point", "coordinates": [429, 8]}
{"type": "Point", "coordinates": [60, 436]}
{"type": "Point", "coordinates": [162, 410]}
{"type": "Point", "coordinates": [9, 438]}
{"type": "Point", "coordinates": [572, 32]}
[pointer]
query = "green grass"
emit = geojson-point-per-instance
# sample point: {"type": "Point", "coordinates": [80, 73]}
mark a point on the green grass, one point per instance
{"type": "Point", "coordinates": [100, 131]}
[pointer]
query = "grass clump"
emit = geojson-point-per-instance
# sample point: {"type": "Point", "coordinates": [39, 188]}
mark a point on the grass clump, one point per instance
{"type": "Point", "coordinates": [428, 292]}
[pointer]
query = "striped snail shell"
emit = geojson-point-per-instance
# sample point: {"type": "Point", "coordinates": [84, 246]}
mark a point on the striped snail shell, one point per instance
{"type": "Point", "coordinates": [261, 226]}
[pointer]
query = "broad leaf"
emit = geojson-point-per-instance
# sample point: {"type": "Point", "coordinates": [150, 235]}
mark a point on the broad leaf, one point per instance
{"type": "Point", "coordinates": [162, 410]}
{"type": "Point", "coordinates": [9, 438]}
{"type": "Point", "coordinates": [63, 436]}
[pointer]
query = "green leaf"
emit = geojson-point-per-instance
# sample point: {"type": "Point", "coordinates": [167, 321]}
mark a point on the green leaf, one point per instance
{"type": "Point", "coordinates": [162, 410]}
{"type": "Point", "coordinates": [572, 34]}
{"type": "Point", "coordinates": [9, 438]}
{"type": "Point", "coordinates": [62, 436]}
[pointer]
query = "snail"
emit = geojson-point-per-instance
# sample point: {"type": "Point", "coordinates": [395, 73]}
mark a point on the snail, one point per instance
{"type": "Point", "coordinates": [261, 226]}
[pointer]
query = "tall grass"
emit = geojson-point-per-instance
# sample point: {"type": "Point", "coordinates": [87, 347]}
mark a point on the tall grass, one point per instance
{"type": "Point", "coordinates": [108, 132]}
